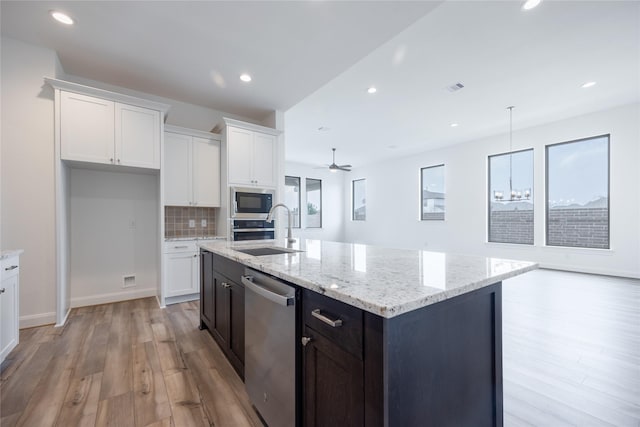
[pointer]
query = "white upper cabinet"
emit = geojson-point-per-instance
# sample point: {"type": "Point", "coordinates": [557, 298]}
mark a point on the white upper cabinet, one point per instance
{"type": "Point", "coordinates": [251, 157]}
{"type": "Point", "coordinates": [191, 170]}
{"type": "Point", "coordinates": [137, 139]}
{"type": "Point", "coordinates": [97, 126]}
{"type": "Point", "coordinates": [86, 128]}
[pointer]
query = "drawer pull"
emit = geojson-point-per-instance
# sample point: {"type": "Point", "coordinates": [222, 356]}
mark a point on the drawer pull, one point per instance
{"type": "Point", "coordinates": [2, 290]}
{"type": "Point", "coordinates": [13, 267]}
{"type": "Point", "coordinates": [306, 340]}
{"type": "Point", "coordinates": [225, 285]}
{"type": "Point", "coordinates": [333, 323]}
{"type": "Point", "coordinates": [180, 247]}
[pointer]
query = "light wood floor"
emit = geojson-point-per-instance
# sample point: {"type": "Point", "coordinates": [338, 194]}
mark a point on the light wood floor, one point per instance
{"type": "Point", "coordinates": [123, 364]}
{"type": "Point", "coordinates": [571, 358]}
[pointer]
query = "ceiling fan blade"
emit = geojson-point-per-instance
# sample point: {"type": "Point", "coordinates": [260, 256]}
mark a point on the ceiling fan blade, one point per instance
{"type": "Point", "coordinates": [345, 166]}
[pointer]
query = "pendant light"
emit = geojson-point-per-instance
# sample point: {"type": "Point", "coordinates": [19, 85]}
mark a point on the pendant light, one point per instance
{"type": "Point", "coordinates": [514, 195]}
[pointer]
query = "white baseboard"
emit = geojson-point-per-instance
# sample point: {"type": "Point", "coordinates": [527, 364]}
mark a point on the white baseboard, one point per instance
{"type": "Point", "coordinates": [33, 320]}
{"type": "Point", "coordinates": [181, 298]}
{"type": "Point", "coordinates": [113, 297]}
{"type": "Point", "coordinates": [588, 270]}
{"type": "Point", "coordinates": [64, 319]}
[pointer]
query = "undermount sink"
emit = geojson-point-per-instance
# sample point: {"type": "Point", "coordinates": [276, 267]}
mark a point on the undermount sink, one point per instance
{"type": "Point", "coordinates": [269, 250]}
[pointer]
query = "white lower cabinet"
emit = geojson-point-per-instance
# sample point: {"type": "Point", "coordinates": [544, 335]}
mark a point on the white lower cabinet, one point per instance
{"type": "Point", "coordinates": [9, 298]}
{"type": "Point", "coordinates": [181, 268]}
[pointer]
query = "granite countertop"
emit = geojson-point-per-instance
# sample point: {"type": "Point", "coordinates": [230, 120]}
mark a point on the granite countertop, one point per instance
{"type": "Point", "coordinates": [8, 253]}
{"type": "Point", "coordinates": [383, 281]}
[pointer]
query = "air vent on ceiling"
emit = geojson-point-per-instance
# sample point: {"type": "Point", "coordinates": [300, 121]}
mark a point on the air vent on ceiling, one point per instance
{"type": "Point", "coordinates": [455, 87]}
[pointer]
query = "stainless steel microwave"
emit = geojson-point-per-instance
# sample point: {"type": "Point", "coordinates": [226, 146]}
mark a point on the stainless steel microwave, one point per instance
{"type": "Point", "coordinates": [251, 203]}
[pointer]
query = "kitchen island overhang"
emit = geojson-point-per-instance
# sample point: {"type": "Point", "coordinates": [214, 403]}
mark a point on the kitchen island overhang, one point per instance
{"type": "Point", "coordinates": [431, 355]}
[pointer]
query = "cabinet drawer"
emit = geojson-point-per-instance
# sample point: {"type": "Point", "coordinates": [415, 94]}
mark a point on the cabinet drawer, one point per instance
{"type": "Point", "coordinates": [319, 311]}
{"type": "Point", "coordinates": [180, 246]}
{"type": "Point", "coordinates": [9, 267]}
{"type": "Point", "coordinates": [230, 269]}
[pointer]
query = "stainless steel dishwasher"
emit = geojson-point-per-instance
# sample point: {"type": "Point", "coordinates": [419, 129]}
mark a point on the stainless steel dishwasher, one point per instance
{"type": "Point", "coordinates": [270, 362]}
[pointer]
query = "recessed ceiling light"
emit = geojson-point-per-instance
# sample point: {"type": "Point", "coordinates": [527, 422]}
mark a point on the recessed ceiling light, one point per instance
{"type": "Point", "coordinates": [63, 18]}
{"type": "Point", "coordinates": [372, 90]}
{"type": "Point", "coordinates": [245, 77]}
{"type": "Point", "coordinates": [530, 4]}
{"type": "Point", "coordinates": [588, 84]}
{"type": "Point", "coordinates": [454, 125]}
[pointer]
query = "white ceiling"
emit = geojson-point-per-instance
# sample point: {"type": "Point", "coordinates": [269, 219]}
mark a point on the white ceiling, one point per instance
{"type": "Point", "coordinates": [194, 51]}
{"type": "Point", "coordinates": [535, 60]}
{"type": "Point", "coordinates": [315, 60]}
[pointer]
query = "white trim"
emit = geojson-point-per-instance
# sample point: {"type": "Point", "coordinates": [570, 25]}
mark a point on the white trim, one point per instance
{"type": "Point", "coordinates": [181, 298]}
{"type": "Point", "coordinates": [105, 94]}
{"type": "Point", "coordinates": [588, 270]}
{"type": "Point", "coordinates": [34, 320]}
{"type": "Point", "coordinates": [113, 297]}
{"type": "Point", "coordinates": [192, 132]}
{"type": "Point", "coordinates": [251, 126]}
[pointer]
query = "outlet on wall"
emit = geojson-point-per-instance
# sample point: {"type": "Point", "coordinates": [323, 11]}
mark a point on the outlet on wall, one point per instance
{"type": "Point", "coordinates": [203, 223]}
{"type": "Point", "coordinates": [192, 223]}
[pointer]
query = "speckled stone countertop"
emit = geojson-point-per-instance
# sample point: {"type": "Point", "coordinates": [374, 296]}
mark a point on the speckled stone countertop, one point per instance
{"type": "Point", "coordinates": [383, 281]}
{"type": "Point", "coordinates": [8, 253]}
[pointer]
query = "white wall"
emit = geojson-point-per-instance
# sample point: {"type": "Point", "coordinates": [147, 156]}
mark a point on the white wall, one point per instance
{"type": "Point", "coordinates": [393, 197]}
{"type": "Point", "coordinates": [332, 202]}
{"type": "Point", "coordinates": [26, 171]}
{"type": "Point", "coordinates": [114, 234]}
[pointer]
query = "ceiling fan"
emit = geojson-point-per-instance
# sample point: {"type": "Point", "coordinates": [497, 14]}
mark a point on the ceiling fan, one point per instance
{"type": "Point", "coordinates": [333, 167]}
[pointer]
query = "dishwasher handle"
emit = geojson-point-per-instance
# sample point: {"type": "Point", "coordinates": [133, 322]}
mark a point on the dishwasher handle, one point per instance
{"type": "Point", "coordinates": [285, 300]}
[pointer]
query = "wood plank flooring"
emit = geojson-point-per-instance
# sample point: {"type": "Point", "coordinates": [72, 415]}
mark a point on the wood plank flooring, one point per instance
{"type": "Point", "coordinates": [571, 358]}
{"type": "Point", "coordinates": [123, 364]}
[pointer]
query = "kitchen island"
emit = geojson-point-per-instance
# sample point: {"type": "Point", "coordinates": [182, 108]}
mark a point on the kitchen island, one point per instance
{"type": "Point", "coordinates": [418, 340]}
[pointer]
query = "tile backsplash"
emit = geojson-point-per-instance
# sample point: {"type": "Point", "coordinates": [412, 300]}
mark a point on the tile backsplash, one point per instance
{"type": "Point", "coordinates": [176, 221]}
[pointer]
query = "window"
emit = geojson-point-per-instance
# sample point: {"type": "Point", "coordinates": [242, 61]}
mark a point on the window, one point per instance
{"type": "Point", "coordinates": [359, 200]}
{"type": "Point", "coordinates": [314, 203]}
{"type": "Point", "coordinates": [578, 193]}
{"type": "Point", "coordinates": [292, 198]}
{"type": "Point", "coordinates": [511, 197]}
{"type": "Point", "coordinates": [432, 193]}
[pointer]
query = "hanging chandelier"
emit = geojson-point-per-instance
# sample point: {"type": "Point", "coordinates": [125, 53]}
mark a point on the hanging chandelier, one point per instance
{"type": "Point", "coordinates": [515, 195]}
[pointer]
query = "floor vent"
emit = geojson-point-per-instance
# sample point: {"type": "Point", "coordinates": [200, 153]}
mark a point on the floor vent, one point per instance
{"type": "Point", "coordinates": [129, 281]}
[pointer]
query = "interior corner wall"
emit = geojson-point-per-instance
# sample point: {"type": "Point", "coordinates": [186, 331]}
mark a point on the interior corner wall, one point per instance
{"type": "Point", "coordinates": [114, 234]}
{"type": "Point", "coordinates": [332, 202]}
{"type": "Point", "coordinates": [27, 174]}
{"type": "Point", "coordinates": [393, 197]}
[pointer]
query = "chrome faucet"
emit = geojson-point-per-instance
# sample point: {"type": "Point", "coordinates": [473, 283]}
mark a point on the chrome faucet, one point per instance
{"type": "Point", "coordinates": [290, 239]}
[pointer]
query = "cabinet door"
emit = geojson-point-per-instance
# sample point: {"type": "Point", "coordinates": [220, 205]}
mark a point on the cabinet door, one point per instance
{"type": "Point", "coordinates": [264, 172]}
{"type": "Point", "coordinates": [86, 128]}
{"type": "Point", "coordinates": [206, 172]}
{"type": "Point", "coordinates": [236, 322]}
{"type": "Point", "coordinates": [206, 289]}
{"type": "Point", "coordinates": [221, 310]}
{"type": "Point", "coordinates": [137, 139]}
{"type": "Point", "coordinates": [240, 153]}
{"type": "Point", "coordinates": [333, 384]}
{"type": "Point", "coordinates": [181, 277]}
{"type": "Point", "coordinates": [176, 173]}
{"type": "Point", "coordinates": [8, 315]}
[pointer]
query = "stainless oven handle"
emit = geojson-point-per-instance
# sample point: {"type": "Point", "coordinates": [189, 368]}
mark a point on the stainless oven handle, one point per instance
{"type": "Point", "coordinates": [242, 230]}
{"type": "Point", "coordinates": [284, 300]}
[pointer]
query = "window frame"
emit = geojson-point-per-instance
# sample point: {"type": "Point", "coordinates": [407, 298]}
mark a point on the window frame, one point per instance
{"type": "Point", "coordinates": [489, 195]}
{"type": "Point", "coordinates": [299, 199]}
{"type": "Point", "coordinates": [353, 196]}
{"type": "Point", "coordinates": [546, 189]}
{"type": "Point", "coordinates": [422, 199]}
{"type": "Point", "coordinates": [306, 199]}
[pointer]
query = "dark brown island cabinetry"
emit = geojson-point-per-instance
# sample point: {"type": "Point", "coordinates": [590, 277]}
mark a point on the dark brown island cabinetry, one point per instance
{"type": "Point", "coordinates": [438, 365]}
{"type": "Point", "coordinates": [222, 306]}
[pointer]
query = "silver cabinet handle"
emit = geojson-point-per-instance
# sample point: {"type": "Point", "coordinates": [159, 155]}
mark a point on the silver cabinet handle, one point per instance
{"type": "Point", "coordinates": [306, 340]}
{"type": "Point", "coordinates": [225, 285]}
{"type": "Point", "coordinates": [2, 290]}
{"type": "Point", "coordinates": [195, 255]}
{"type": "Point", "coordinates": [111, 160]}
{"type": "Point", "coordinates": [333, 323]}
{"type": "Point", "coordinates": [13, 267]}
{"type": "Point", "coordinates": [118, 160]}
{"type": "Point", "coordinates": [180, 247]}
